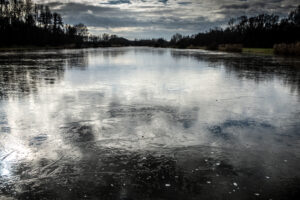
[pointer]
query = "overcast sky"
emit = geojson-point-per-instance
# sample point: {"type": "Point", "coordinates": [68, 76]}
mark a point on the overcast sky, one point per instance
{"type": "Point", "coordinates": [160, 18]}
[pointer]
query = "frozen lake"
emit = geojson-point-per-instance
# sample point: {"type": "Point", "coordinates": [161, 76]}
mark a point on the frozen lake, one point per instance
{"type": "Point", "coordinates": [148, 123]}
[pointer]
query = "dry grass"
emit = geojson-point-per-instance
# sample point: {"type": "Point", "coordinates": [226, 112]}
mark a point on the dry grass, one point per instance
{"type": "Point", "coordinates": [264, 51]}
{"type": "Point", "coordinates": [231, 47]}
{"type": "Point", "coordinates": [287, 49]}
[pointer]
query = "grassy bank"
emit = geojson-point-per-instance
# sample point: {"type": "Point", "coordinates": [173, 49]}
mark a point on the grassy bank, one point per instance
{"type": "Point", "coordinates": [267, 51]}
{"type": "Point", "coordinates": [196, 47]}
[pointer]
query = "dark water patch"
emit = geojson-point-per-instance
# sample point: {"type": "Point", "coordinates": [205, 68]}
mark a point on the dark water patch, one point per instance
{"type": "Point", "coordinates": [223, 130]}
{"type": "Point", "coordinates": [189, 173]}
{"type": "Point", "coordinates": [22, 73]}
{"type": "Point", "coordinates": [78, 132]}
{"type": "Point", "coordinates": [217, 131]}
{"type": "Point", "coordinates": [5, 129]}
{"type": "Point", "coordinates": [38, 140]}
{"type": "Point", "coordinates": [245, 123]}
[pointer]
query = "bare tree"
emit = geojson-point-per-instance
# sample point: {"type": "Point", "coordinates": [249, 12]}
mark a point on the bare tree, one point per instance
{"type": "Point", "coordinates": [81, 30]}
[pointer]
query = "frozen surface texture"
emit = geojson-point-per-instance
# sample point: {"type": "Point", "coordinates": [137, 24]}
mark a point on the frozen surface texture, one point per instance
{"type": "Point", "coordinates": [146, 123]}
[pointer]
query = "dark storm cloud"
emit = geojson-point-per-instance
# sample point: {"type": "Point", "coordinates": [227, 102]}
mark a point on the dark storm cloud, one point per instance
{"type": "Point", "coordinates": [257, 5]}
{"type": "Point", "coordinates": [115, 2]}
{"type": "Point", "coordinates": [163, 1]}
{"type": "Point", "coordinates": [185, 3]}
{"type": "Point", "coordinates": [94, 15]}
{"type": "Point", "coordinates": [235, 6]}
{"type": "Point", "coordinates": [116, 17]}
{"type": "Point", "coordinates": [87, 14]}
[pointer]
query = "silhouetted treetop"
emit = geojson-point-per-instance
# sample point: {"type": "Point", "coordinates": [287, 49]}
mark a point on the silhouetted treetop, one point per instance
{"type": "Point", "coordinates": [25, 23]}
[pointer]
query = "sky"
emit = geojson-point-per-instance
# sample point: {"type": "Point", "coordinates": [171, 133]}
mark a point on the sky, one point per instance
{"type": "Point", "coordinates": [161, 18]}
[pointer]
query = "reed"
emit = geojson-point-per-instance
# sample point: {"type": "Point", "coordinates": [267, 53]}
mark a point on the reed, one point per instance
{"type": "Point", "coordinates": [287, 49]}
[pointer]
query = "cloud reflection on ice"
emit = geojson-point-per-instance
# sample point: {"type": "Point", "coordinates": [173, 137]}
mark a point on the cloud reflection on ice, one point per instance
{"type": "Point", "coordinates": [140, 99]}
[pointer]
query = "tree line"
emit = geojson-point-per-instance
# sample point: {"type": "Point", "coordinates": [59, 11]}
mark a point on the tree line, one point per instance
{"type": "Point", "coordinates": [25, 23]}
{"type": "Point", "coordinates": [263, 31]}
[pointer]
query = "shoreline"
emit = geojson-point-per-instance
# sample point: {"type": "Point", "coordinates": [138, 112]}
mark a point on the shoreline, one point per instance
{"type": "Point", "coordinates": [26, 48]}
{"type": "Point", "coordinates": [256, 51]}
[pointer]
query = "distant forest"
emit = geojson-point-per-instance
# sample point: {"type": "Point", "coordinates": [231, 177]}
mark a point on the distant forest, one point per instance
{"type": "Point", "coordinates": [23, 23]}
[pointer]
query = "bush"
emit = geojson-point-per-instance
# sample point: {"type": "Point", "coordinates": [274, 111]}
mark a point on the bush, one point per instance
{"type": "Point", "coordinates": [287, 49]}
{"type": "Point", "coordinates": [231, 47]}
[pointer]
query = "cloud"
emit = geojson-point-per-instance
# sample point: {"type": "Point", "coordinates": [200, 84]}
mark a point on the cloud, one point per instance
{"type": "Point", "coordinates": [185, 3]}
{"type": "Point", "coordinates": [156, 18]}
{"type": "Point", "coordinates": [163, 1]}
{"type": "Point", "coordinates": [115, 2]}
{"type": "Point", "coordinates": [236, 6]}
